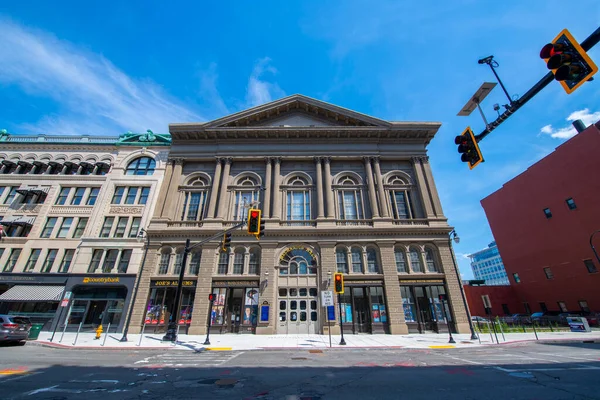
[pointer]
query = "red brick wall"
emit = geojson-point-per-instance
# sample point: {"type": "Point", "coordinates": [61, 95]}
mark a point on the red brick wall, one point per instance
{"type": "Point", "coordinates": [528, 241]}
{"type": "Point", "coordinates": [498, 295]}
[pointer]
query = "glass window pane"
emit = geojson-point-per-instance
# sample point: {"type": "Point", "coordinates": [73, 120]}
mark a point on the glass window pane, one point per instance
{"type": "Point", "coordinates": [293, 305]}
{"type": "Point", "coordinates": [282, 316]}
{"type": "Point", "coordinates": [313, 291]}
{"type": "Point", "coordinates": [282, 305]}
{"type": "Point", "coordinates": [303, 304]}
{"type": "Point", "coordinates": [313, 304]}
{"type": "Point", "coordinates": [282, 292]}
{"type": "Point", "coordinates": [293, 316]}
{"type": "Point", "coordinates": [303, 316]}
{"type": "Point", "coordinates": [303, 292]}
{"type": "Point", "coordinates": [313, 316]}
{"type": "Point", "coordinates": [131, 195]}
{"type": "Point", "coordinates": [293, 292]}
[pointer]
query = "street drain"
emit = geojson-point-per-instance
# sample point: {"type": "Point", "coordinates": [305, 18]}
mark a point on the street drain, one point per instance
{"type": "Point", "coordinates": [299, 358]}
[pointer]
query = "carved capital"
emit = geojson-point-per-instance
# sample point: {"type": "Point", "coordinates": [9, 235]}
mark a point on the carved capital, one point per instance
{"type": "Point", "coordinates": [277, 160]}
{"type": "Point", "coordinates": [376, 159]}
{"type": "Point", "coordinates": [268, 160]}
{"type": "Point", "coordinates": [420, 159]}
{"type": "Point", "coordinates": [175, 160]}
{"type": "Point", "coordinates": [179, 161]}
{"type": "Point", "coordinates": [327, 159]}
{"type": "Point", "coordinates": [318, 159]}
{"type": "Point", "coordinates": [228, 160]}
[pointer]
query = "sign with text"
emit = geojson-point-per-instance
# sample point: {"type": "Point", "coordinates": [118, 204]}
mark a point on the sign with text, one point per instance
{"type": "Point", "coordinates": [66, 298]}
{"type": "Point", "coordinates": [173, 283]}
{"type": "Point", "coordinates": [327, 298]}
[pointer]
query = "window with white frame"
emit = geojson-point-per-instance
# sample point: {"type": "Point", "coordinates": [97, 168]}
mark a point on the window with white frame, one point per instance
{"type": "Point", "coordinates": [341, 261]}
{"type": "Point", "coordinates": [178, 262]}
{"type": "Point", "coordinates": [430, 260]}
{"type": "Point", "coordinates": [416, 264]}
{"type": "Point", "coordinates": [194, 200]}
{"type": "Point", "coordinates": [163, 265]}
{"type": "Point", "coordinates": [297, 199]}
{"type": "Point", "coordinates": [238, 262]}
{"type": "Point", "coordinates": [194, 268]}
{"type": "Point", "coordinates": [399, 192]}
{"type": "Point", "coordinates": [254, 262]}
{"type": "Point", "coordinates": [246, 192]}
{"type": "Point", "coordinates": [130, 195]}
{"type": "Point", "coordinates": [401, 266]}
{"type": "Point", "coordinates": [357, 260]}
{"type": "Point", "coordinates": [223, 263]}
{"type": "Point", "coordinates": [372, 263]}
{"type": "Point", "coordinates": [350, 201]}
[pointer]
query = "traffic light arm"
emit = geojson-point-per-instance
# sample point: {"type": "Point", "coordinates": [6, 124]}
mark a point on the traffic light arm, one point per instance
{"type": "Point", "coordinates": [586, 45]}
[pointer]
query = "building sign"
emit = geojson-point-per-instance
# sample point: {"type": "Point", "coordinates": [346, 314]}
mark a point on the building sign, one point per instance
{"type": "Point", "coordinates": [29, 278]}
{"type": "Point", "coordinates": [326, 298]}
{"type": "Point", "coordinates": [436, 281]}
{"type": "Point", "coordinates": [104, 279]}
{"type": "Point", "coordinates": [172, 282]}
{"type": "Point", "coordinates": [296, 249]}
{"type": "Point", "coordinates": [235, 283]}
{"type": "Point", "coordinates": [361, 282]}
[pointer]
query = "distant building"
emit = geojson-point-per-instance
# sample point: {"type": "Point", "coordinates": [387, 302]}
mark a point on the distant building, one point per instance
{"type": "Point", "coordinates": [487, 265]}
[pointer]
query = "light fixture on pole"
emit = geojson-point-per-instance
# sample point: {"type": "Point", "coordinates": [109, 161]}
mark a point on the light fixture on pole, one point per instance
{"type": "Point", "coordinates": [142, 234]}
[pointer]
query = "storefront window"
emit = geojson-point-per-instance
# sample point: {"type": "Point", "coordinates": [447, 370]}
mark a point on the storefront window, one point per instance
{"type": "Point", "coordinates": [408, 304]}
{"type": "Point", "coordinates": [346, 302]}
{"type": "Point", "coordinates": [154, 312]}
{"type": "Point", "coordinates": [378, 310]}
{"type": "Point", "coordinates": [250, 307]}
{"type": "Point", "coordinates": [161, 303]}
{"type": "Point", "coordinates": [434, 302]}
{"type": "Point", "coordinates": [217, 314]}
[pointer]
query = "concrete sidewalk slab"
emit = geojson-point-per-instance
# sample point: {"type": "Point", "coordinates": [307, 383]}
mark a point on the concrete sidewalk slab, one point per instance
{"type": "Point", "coordinates": [235, 342]}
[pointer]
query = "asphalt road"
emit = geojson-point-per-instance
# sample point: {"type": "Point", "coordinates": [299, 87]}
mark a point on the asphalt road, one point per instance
{"type": "Point", "coordinates": [524, 371]}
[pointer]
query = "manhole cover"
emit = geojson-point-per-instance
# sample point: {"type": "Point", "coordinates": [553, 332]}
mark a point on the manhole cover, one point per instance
{"type": "Point", "coordinates": [315, 351]}
{"type": "Point", "coordinates": [299, 358]}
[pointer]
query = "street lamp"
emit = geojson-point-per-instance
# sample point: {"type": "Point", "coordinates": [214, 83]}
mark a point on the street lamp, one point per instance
{"type": "Point", "coordinates": [454, 236]}
{"type": "Point", "coordinates": [592, 245]}
{"type": "Point", "coordinates": [142, 234]}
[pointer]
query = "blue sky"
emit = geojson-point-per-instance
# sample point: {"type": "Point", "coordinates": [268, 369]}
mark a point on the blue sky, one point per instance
{"type": "Point", "coordinates": [104, 68]}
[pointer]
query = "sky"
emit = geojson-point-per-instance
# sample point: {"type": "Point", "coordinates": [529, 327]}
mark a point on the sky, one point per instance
{"type": "Point", "coordinates": [104, 68]}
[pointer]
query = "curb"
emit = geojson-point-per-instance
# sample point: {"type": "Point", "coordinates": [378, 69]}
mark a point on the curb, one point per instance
{"type": "Point", "coordinates": [67, 347]}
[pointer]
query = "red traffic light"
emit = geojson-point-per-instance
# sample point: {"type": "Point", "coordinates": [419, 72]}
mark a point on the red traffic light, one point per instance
{"type": "Point", "coordinates": [254, 214]}
{"type": "Point", "coordinates": [551, 49]}
{"type": "Point", "coordinates": [338, 277]}
{"type": "Point", "coordinates": [211, 297]}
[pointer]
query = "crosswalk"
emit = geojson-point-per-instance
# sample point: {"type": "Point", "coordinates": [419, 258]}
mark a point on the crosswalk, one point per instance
{"type": "Point", "coordinates": [189, 359]}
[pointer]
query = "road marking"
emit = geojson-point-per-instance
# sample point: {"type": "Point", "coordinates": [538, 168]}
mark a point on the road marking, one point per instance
{"type": "Point", "coordinates": [571, 357]}
{"type": "Point", "coordinates": [219, 348]}
{"type": "Point", "coordinates": [14, 371]}
{"type": "Point", "coordinates": [446, 346]}
{"type": "Point", "coordinates": [465, 360]}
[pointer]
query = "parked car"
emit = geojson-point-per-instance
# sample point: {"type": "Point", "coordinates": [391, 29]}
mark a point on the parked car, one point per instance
{"type": "Point", "coordinates": [592, 318]}
{"type": "Point", "coordinates": [14, 328]}
{"type": "Point", "coordinates": [545, 318]}
{"type": "Point", "coordinates": [519, 319]}
{"type": "Point", "coordinates": [481, 320]}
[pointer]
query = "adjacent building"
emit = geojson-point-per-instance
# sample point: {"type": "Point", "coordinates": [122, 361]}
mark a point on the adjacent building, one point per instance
{"type": "Point", "coordinates": [339, 191]}
{"type": "Point", "coordinates": [487, 266]}
{"type": "Point", "coordinates": [543, 221]}
{"type": "Point", "coordinates": [71, 208]}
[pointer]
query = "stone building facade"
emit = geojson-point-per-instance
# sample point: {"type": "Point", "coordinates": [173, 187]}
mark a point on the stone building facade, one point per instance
{"type": "Point", "coordinates": [339, 191]}
{"type": "Point", "coordinates": [70, 210]}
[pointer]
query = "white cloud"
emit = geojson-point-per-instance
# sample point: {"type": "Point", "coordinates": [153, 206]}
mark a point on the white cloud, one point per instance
{"type": "Point", "coordinates": [95, 97]}
{"type": "Point", "coordinates": [568, 132]}
{"type": "Point", "coordinates": [209, 92]}
{"type": "Point", "coordinates": [259, 90]}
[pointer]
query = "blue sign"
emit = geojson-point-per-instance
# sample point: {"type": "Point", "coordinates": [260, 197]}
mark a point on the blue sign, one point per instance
{"type": "Point", "coordinates": [264, 313]}
{"type": "Point", "coordinates": [330, 313]}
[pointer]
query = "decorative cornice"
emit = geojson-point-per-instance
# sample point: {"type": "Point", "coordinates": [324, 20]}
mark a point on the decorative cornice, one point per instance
{"type": "Point", "coordinates": [420, 159]}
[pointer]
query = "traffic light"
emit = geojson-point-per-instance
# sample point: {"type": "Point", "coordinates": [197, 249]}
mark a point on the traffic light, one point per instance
{"type": "Point", "coordinates": [211, 297]}
{"type": "Point", "coordinates": [254, 222]}
{"type": "Point", "coordinates": [226, 241]}
{"type": "Point", "coordinates": [338, 283]}
{"type": "Point", "coordinates": [568, 61]}
{"type": "Point", "coordinates": [468, 147]}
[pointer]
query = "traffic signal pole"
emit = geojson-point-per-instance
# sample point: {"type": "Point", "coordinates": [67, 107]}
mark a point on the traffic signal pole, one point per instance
{"type": "Point", "coordinates": [587, 44]}
{"type": "Point", "coordinates": [171, 334]}
{"type": "Point", "coordinates": [342, 342]}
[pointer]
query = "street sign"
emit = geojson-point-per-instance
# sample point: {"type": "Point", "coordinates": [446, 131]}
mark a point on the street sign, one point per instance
{"type": "Point", "coordinates": [65, 300]}
{"type": "Point", "coordinates": [327, 298]}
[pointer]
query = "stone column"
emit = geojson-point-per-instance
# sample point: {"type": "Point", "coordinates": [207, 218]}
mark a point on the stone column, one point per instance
{"type": "Point", "coordinates": [423, 189]}
{"type": "Point", "coordinates": [230, 261]}
{"type": "Point", "coordinates": [276, 191]}
{"type": "Point", "coordinates": [64, 170]}
{"type": "Point", "coordinates": [173, 195]}
{"type": "Point", "coordinates": [328, 268]}
{"type": "Point", "coordinates": [79, 170]}
{"type": "Point", "coordinates": [319, 184]}
{"type": "Point", "coordinates": [203, 288]}
{"type": "Point", "coordinates": [223, 195]}
{"type": "Point", "coordinates": [138, 310]}
{"type": "Point", "coordinates": [268, 289]}
{"type": "Point", "coordinates": [95, 170]}
{"type": "Point", "coordinates": [371, 185]}
{"type": "Point", "coordinates": [268, 186]}
{"type": "Point", "coordinates": [329, 189]}
{"type": "Point", "coordinates": [382, 197]}
{"type": "Point", "coordinates": [214, 191]}
{"type": "Point", "coordinates": [2, 168]}
{"type": "Point", "coordinates": [246, 262]}
{"type": "Point", "coordinates": [392, 289]}
{"type": "Point", "coordinates": [164, 190]}
{"type": "Point", "coordinates": [435, 197]}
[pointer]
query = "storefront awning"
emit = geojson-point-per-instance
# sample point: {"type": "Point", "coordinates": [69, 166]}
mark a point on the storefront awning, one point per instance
{"type": "Point", "coordinates": [19, 221]}
{"type": "Point", "coordinates": [32, 293]}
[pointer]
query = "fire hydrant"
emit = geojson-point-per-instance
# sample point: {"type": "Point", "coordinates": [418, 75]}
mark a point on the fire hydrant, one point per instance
{"type": "Point", "coordinates": [99, 331]}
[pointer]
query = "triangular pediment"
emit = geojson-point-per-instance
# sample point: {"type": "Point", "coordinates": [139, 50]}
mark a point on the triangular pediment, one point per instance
{"type": "Point", "coordinates": [296, 111]}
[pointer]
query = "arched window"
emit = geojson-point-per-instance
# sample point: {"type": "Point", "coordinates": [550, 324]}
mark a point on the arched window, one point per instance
{"type": "Point", "coordinates": [297, 199]}
{"type": "Point", "coordinates": [238, 262]}
{"type": "Point", "coordinates": [357, 260]}
{"type": "Point", "coordinates": [254, 262]}
{"type": "Point", "coordinates": [350, 202]}
{"type": "Point", "coordinates": [194, 200]}
{"type": "Point", "coordinates": [430, 259]}
{"type": "Point", "coordinates": [223, 263]}
{"type": "Point", "coordinates": [399, 192]}
{"type": "Point", "coordinates": [415, 260]}
{"type": "Point", "coordinates": [178, 261]}
{"type": "Point", "coordinates": [246, 192]}
{"type": "Point", "coordinates": [372, 264]}
{"type": "Point", "coordinates": [297, 261]}
{"type": "Point", "coordinates": [195, 263]}
{"type": "Point", "coordinates": [342, 261]}
{"type": "Point", "coordinates": [401, 261]}
{"type": "Point", "coordinates": [165, 260]}
{"type": "Point", "coordinates": [141, 166]}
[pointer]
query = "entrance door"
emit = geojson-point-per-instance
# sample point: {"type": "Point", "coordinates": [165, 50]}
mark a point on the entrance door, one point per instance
{"type": "Point", "coordinates": [361, 310]}
{"type": "Point", "coordinates": [95, 313]}
{"type": "Point", "coordinates": [298, 311]}
{"type": "Point", "coordinates": [235, 310]}
{"type": "Point", "coordinates": [426, 318]}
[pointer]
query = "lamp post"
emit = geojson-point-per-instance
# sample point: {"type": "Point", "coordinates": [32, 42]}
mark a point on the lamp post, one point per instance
{"type": "Point", "coordinates": [142, 234]}
{"type": "Point", "coordinates": [592, 245]}
{"type": "Point", "coordinates": [454, 236]}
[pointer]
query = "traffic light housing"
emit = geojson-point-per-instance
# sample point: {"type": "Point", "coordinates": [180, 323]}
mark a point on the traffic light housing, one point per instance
{"type": "Point", "coordinates": [468, 148]}
{"type": "Point", "coordinates": [569, 63]}
{"type": "Point", "coordinates": [211, 297]}
{"type": "Point", "coordinates": [338, 283]}
{"type": "Point", "coordinates": [226, 244]}
{"type": "Point", "coordinates": [255, 224]}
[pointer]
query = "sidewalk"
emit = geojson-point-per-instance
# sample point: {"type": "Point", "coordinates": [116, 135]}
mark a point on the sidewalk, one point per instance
{"type": "Point", "coordinates": [280, 342]}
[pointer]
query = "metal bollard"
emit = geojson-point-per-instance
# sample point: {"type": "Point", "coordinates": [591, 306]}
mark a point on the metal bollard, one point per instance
{"type": "Point", "coordinates": [501, 330]}
{"type": "Point", "coordinates": [106, 334]}
{"type": "Point", "coordinates": [534, 331]}
{"type": "Point", "coordinates": [142, 333]}
{"type": "Point", "coordinates": [77, 335]}
{"type": "Point", "coordinates": [63, 333]}
{"type": "Point", "coordinates": [176, 335]}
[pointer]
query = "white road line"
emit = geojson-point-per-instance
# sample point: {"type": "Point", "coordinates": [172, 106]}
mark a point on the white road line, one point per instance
{"type": "Point", "coordinates": [571, 357]}
{"type": "Point", "coordinates": [464, 360]}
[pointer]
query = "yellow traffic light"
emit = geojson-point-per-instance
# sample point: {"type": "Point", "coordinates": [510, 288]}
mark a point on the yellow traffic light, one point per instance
{"type": "Point", "coordinates": [468, 147]}
{"type": "Point", "coordinates": [254, 221]}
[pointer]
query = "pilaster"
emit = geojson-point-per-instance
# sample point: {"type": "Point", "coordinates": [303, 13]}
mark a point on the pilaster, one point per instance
{"type": "Point", "coordinates": [329, 189]}
{"type": "Point", "coordinates": [319, 184]}
{"type": "Point", "coordinates": [392, 289]}
{"type": "Point", "coordinates": [203, 288]}
{"type": "Point", "coordinates": [268, 186]}
{"type": "Point", "coordinates": [214, 192]}
{"type": "Point", "coordinates": [423, 187]}
{"type": "Point", "coordinates": [223, 194]}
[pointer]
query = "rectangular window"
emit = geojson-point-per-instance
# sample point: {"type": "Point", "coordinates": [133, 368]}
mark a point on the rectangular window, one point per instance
{"type": "Point", "coordinates": [12, 260]}
{"type": "Point", "coordinates": [95, 262]}
{"type": "Point", "coordinates": [91, 200]}
{"type": "Point", "coordinates": [342, 262]}
{"type": "Point", "coordinates": [562, 306]}
{"type": "Point", "coordinates": [121, 226]}
{"type": "Point", "coordinates": [144, 195]}
{"type": "Point", "coordinates": [242, 199]}
{"type": "Point", "coordinates": [548, 272]}
{"type": "Point", "coordinates": [124, 261]}
{"type": "Point", "coordinates": [49, 227]}
{"type": "Point", "coordinates": [253, 263]}
{"type": "Point", "coordinates": [135, 227]}
{"type": "Point", "coordinates": [64, 227]}
{"type": "Point", "coordinates": [62, 196]}
{"type": "Point", "coordinates": [131, 195]}
{"type": "Point", "coordinates": [401, 262]}
{"type": "Point", "coordinates": [408, 304]}
{"type": "Point", "coordinates": [298, 208]}
{"type": "Point", "coordinates": [547, 213]}
{"type": "Point", "coordinates": [80, 228]}
{"type": "Point", "coordinates": [118, 196]}
{"type": "Point", "coordinates": [505, 309]}
{"type": "Point", "coordinates": [12, 193]}
{"type": "Point", "coordinates": [2, 188]}
{"type": "Point", "coordinates": [356, 257]}
{"type": "Point", "coordinates": [238, 263]}
{"type": "Point", "coordinates": [163, 267]}
{"type": "Point", "coordinates": [194, 207]}
{"type": "Point", "coordinates": [107, 227]}
{"type": "Point", "coordinates": [195, 263]}
{"type": "Point", "coordinates": [400, 204]}
{"type": "Point", "coordinates": [516, 278]}
{"type": "Point", "coordinates": [584, 306]}
{"type": "Point", "coordinates": [589, 264]}
{"type": "Point", "coordinates": [543, 307]}
{"type": "Point", "coordinates": [78, 196]}
{"type": "Point", "coordinates": [223, 263]}
{"type": "Point", "coordinates": [33, 258]}
{"type": "Point", "coordinates": [571, 203]}
{"type": "Point", "coordinates": [110, 260]}
{"type": "Point", "coordinates": [178, 261]}
{"type": "Point", "coordinates": [65, 264]}
{"type": "Point", "coordinates": [49, 261]}
{"type": "Point", "coordinates": [350, 204]}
